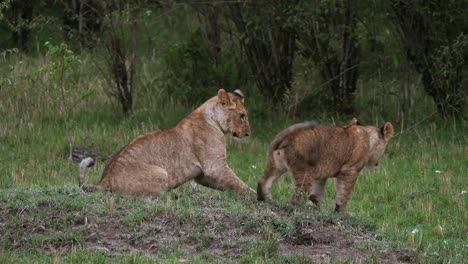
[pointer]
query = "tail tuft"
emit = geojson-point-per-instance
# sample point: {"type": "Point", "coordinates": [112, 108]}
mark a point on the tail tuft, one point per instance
{"type": "Point", "coordinates": [90, 188]}
{"type": "Point", "coordinates": [84, 164]}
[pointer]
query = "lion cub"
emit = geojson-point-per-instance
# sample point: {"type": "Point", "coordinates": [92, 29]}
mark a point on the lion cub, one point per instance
{"type": "Point", "coordinates": [195, 149]}
{"type": "Point", "coordinates": [313, 153]}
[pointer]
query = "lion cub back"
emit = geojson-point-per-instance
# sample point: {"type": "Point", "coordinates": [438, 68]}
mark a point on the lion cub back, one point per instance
{"type": "Point", "coordinates": [328, 149]}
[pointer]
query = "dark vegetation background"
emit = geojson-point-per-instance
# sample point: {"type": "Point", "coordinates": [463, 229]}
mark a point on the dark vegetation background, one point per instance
{"type": "Point", "coordinates": [398, 60]}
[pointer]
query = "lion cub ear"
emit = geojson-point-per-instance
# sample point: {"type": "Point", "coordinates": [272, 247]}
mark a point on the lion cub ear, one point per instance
{"type": "Point", "coordinates": [387, 131]}
{"type": "Point", "coordinates": [239, 94]}
{"type": "Point", "coordinates": [223, 97]}
{"type": "Point", "coordinates": [352, 123]}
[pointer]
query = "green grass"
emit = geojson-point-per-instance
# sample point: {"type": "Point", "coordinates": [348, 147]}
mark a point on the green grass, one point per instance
{"type": "Point", "coordinates": [415, 200]}
{"type": "Point", "coordinates": [418, 195]}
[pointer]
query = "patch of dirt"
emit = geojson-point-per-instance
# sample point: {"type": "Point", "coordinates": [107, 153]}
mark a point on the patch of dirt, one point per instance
{"type": "Point", "coordinates": [211, 230]}
{"type": "Point", "coordinates": [323, 242]}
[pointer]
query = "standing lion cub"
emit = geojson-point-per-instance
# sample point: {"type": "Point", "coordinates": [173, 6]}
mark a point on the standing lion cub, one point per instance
{"type": "Point", "coordinates": [314, 153]}
{"type": "Point", "coordinates": [194, 149]}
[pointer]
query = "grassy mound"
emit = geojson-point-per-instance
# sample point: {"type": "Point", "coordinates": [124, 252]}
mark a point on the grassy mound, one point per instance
{"type": "Point", "coordinates": [66, 224]}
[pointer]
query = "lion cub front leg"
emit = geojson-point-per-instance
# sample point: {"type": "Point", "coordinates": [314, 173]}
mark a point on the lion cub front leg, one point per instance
{"type": "Point", "coordinates": [317, 191]}
{"type": "Point", "coordinates": [303, 186]}
{"type": "Point", "coordinates": [223, 178]}
{"type": "Point", "coordinates": [307, 185]}
{"type": "Point", "coordinates": [344, 187]}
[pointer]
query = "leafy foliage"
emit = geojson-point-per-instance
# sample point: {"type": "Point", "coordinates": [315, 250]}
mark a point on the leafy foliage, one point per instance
{"type": "Point", "coordinates": [267, 44]}
{"type": "Point", "coordinates": [268, 41]}
{"type": "Point", "coordinates": [192, 74]}
{"type": "Point", "coordinates": [327, 34]}
{"type": "Point", "coordinates": [432, 33]}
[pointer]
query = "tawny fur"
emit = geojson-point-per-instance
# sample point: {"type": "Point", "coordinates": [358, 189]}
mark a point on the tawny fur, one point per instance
{"type": "Point", "coordinates": [194, 149]}
{"type": "Point", "coordinates": [312, 154]}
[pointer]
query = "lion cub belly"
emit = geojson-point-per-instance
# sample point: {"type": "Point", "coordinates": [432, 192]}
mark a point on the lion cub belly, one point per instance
{"type": "Point", "coordinates": [311, 161]}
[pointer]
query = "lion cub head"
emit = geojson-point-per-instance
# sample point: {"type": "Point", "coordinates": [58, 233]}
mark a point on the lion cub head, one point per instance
{"type": "Point", "coordinates": [378, 139]}
{"type": "Point", "coordinates": [231, 114]}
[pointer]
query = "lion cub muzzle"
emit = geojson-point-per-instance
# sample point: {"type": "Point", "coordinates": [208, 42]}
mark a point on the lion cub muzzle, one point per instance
{"type": "Point", "coordinates": [241, 135]}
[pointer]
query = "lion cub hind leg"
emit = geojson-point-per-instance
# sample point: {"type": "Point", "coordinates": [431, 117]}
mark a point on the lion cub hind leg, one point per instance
{"type": "Point", "coordinates": [275, 168]}
{"type": "Point", "coordinates": [139, 179]}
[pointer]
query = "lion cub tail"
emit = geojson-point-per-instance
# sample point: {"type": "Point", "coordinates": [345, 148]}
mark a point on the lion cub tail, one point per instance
{"type": "Point", "coordinates": [84, 164]}
{"type": "Point", "coordinates": [275, 144]}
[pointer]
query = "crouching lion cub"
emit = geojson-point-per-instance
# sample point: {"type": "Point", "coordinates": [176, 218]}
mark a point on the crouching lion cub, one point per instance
{"type": "Point", "coordinates": [194, 149]}
{"type": "Point", "coordinates": [313, 153]}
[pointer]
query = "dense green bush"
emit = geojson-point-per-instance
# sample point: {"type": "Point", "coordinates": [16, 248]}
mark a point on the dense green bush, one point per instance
{"type": "Point", "coordinates": [191, 74]}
